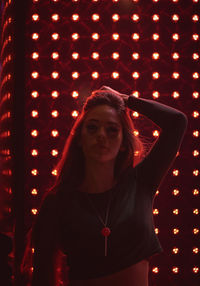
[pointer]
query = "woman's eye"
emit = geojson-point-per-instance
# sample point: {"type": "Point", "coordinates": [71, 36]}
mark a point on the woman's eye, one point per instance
{"type": "Point", "coordinates": [112, 130]}
{"type": "Point", "coordinates": [91, 127]}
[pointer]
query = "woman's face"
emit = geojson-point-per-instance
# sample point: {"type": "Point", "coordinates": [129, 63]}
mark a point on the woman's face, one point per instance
{"type": "Point", "coordinates": [101, 134]}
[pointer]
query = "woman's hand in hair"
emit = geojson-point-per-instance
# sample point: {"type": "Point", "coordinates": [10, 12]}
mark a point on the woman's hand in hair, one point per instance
{"type": "Point", "coordinates": [107, 88]}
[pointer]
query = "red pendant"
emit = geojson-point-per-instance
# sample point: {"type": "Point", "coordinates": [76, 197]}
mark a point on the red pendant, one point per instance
{"type": "Point", "coordinates": [105, 231]}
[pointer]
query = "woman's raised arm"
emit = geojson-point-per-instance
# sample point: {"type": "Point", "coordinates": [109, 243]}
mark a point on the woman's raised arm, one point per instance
{"type": "Point", "coordinates": [173, 124]}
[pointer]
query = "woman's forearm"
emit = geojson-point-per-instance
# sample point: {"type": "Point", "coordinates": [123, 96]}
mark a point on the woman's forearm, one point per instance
{"type": "Point", "coordinates": [162, 115]}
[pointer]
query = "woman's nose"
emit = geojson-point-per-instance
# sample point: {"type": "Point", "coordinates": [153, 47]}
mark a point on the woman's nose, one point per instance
{"type": "Point", "coordinates": [101, 133]}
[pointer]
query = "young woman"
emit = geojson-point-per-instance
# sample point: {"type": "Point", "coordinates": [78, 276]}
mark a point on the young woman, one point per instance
{"type": "Point", "coordinates": [99, 213]}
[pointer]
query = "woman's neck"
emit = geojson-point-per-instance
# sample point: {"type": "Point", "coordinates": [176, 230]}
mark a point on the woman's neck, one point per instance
{"type": "Point", "coordinates": [99, 177]}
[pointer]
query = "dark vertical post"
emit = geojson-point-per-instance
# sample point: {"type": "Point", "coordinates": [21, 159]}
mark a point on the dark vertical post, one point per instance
{"type": "Point", "coordinates": [20, 8]}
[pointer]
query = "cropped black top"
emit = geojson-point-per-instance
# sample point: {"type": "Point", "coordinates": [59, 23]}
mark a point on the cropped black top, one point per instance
{"type": "Point", "coordinates": [132, 237]}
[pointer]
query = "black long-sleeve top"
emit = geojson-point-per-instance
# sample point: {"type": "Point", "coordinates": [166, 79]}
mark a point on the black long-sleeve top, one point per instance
{"type": "Point", "coordinates": [132, 237]}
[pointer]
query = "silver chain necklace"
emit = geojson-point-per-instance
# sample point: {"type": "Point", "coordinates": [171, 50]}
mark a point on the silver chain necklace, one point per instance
{"type": "Point", "coordinates": [106, 231]}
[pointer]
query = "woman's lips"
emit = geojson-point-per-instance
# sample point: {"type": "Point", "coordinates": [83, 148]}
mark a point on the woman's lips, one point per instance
{"type": "Point", "coordinates": [101, 147]}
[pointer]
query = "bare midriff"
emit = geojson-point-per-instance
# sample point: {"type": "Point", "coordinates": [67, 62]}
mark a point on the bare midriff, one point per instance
{"type": "Point", "coordinates": [135, 275]}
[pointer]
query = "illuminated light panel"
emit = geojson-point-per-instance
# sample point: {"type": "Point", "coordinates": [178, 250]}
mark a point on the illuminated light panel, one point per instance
{"type": "Point", "coordinates": [156, 230]}
{"type": "Point", "coordinates": [195, 231]}
{"type": "Point", "coordinates": [155, 270]}
{"type": "Point", "coordinates": [34, 192]}
{"type": "Point", "coordinates": [135, 17]}
{"type": "Point", "coordinates": [196, 133]}
{"type": "Point", "coordinates": [54, 113]}
{"type": "Point", "coordinates": [175, 94]}
{"type": "Point", "coordinates": [75, 56]}
{"type": "Point", "coordinates": [115, 37]}
{"type": "Point", "coordinates": [155, 37]}
{"type": "Point", "coordinates": [75, 75]}
{"type": "Point", "coordinates": [75, 36]}
{"type": "Point", "coordinates": [34, 211]}
{"type": "Point", "coordinates": [55, 75]}
{"type": "Point", "coordinates": [195, 269]}
{"type": "Point", "coordinates": [136, 93]}
{"type": "Point", "coordinates": [195, 75]}
{"type": "Point", "coordinates": [155, 94]}
{"type": "Point", "coordinates": [175, 270]}
{"type": "Point", "coordinates": [54, 133]}
{"type": "Point", "coordinates": [35, 36]}
{"type": "Point", "coordinates": [74, 114]}
{"type": "Point", "coordinates": [175, 17]}
{"type": "Point", "coordinates": [55, 55]}
{"type": "Point", "coordinates": [135, 75]}
{"type": "Point", "coordinates": [135, 36]}
{"type": "Point", "coordinates": [175, 37]}
{"type": "Point", "coordinates": [74, 94]}
{"type": "Point", "coordinates": [34, 172]}
{"type": "Point", "coordinates": [195, 37]}
{"type": "Point", "coordinates": [95, 17]}
{"type": "Point", "coordinates": [195, 192]}
{"type": "Point", "coordinates": [195, 56]}
{"type": "Point", "coordinates": [175, 231]}
{"type": "Point", "coordinates": [155, 17]}
{"type": "Point", "coordinates": [175, 56]}
{"type": "Point", "coordinates": [54, 152]}
{"type": "Point", "coordinates": [136, 132]}
{"type": "Point", "coordinates": [55, 17]}
{"type": "Point", "coordinates": [95, 56]}
{"type": "Point", "coordinates": [176, 211]}
{"type": "Point", "coordinates": [155, 56]}
{"type": "Point", "coordinates": [155, 75]}
{"type": "Point", "coordinates": [34, 113]}
{"type": "Point", "coordinates": [95, 36]}
{"type": "Point", "coordinates": [54, 172]}
{"type": "Point", "coordinates": [75, 17]}
{"type": "Point", "coordinates": [155, 211]}
{"type": "Point", "coordinates": [35, 17]}
{"type": "Point", "coordinates": [115, 75]}
{"type": "Point", "coordinates": [115, 56]}
{"type": "Point", "coordinates": [195, 153]}
{"type": "Point", "coordinates": [195, 114]}
{"type": "Point", "coordinates": [195, 94]}
{"type": "Point", "coordinates": [55, 36]}
{"type": "Point", "coordinates": [34, 152]}
{"type": "Point", "coordinates": [35, 56]}
{"type": "Point", "coordinates": [55, 94]}
{"type": "Point", "coordinates": [135, 114]}
{"type": "Point", "coordinates": [175, 172]}
{"type": "Point", "coordinates": [195, 250]}
{"type": "Point", "coordinates": [35, 74]}
{"type": "Point", "coordinates": [175, 250]}
{"type": "Point", "coordinates": [195, 173]}
{"type": "Point", "coordinates": [115, 17]}
{"type": "Point", "coordinates": [196, 211]}
{"type": "Point", "coordinates": [135, 56]}
{"type": "Point", "coordinates": [175, 75]}
{"type": "Point", "coordinates": [156, 133]}
{"type": "Point", "coordinates": [34, 133]}
{"type": "Point", "coordinates": [195, 18]}
{"type": "Point", "coordinates": [95, 75]}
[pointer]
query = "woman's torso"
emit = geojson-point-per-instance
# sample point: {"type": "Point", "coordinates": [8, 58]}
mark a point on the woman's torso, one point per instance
{"type": "Point", "coordinates": [135, 275]}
